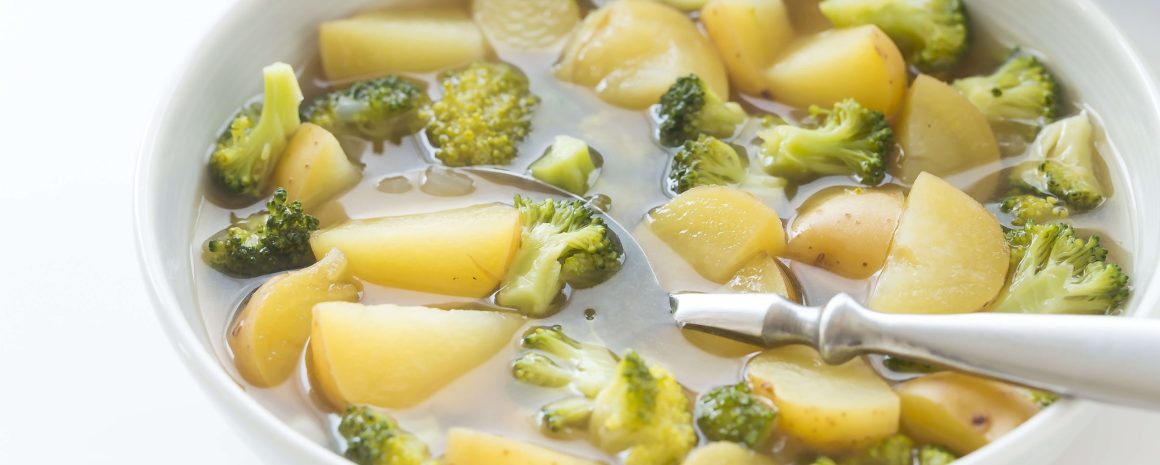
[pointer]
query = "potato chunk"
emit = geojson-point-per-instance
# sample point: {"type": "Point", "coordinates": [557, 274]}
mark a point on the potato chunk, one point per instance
{"type": "Point", "coordinates": [632, 52]}
{"type": "Point", "coordinates": [846, 230]}
{"type": "Point", "coordinates": [717, 229]}
{"type": "Point", "coordinates": [828, 407]}
{"type": "Point", "coordinates": [941, 132]}
{"type": "Point", "coordinates": [962, 412]}
{"type": "Point", "coordinates": [861, 63]}
{"type": "Point", "coordinates": [763, 274]}
{"type": "Point", "coordinates": [725, 453]}
{"type": "Point", "coordinates": [395, 357]}
{"type": "Point", "coordinates": [314, 168]}
{"type": "Point", "coordinates": [398, 41]}
{"type": "Point", "coordinates": [463, 252]}
{"type": "Point", "coordinates": [470, 447]}
{"type": "Point", "coordinates": [268, 335]}
{"type": "Point", "coordinates": [749, 35]}
{"type": "Point", "coordinates": [948, 255]}
{"type": "Point", "coordinates": [526, 24]}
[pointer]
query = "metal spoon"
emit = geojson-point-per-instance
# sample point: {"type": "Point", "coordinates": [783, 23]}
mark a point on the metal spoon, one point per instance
{"type": "Point", "coordinates": [1109, 359]}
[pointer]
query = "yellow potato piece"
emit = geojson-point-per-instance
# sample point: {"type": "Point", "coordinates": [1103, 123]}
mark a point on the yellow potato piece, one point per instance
{"type": "Point", "coordinates": [827, 407]}
{"type": "Point", "coordinates": [948, 255]}
{"type": "Point", "coordinates": [749, 35]}
{"type": "Point", "coordinates": [764, 274]}
{"type": "Point", "coordinates": [463, 252]}
{"type": "Point", "coordinates": [631, 52]}
{"type": "Point", "coordinates": [399, 40]}
{"type": "Point", "coordinates": [268, 335]}
{"type": "Point", "coordinates": [314, 168]}
{"type": "Point", "coordinates": [725, 453]}
{"type": "Point", "coordinates": [717, 229]}
{"type": "Point", "coordinates": [942, 133]}
{"type": "Point", "coordinates": [962, 412]}
{"type": "Point", "coordinates": [470, 447]}
{"type": "Point", "coordinates": [859, 63]}
{"type": "Point", "coordinates": [526, 24]}
{"type": "Point", "coordinates": [395, 357]}
{"type": "Point", "coordinates": [846, 230]}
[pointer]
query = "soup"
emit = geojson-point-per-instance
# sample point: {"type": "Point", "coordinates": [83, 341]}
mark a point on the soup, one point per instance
{"type": "Point", "coordinates": [397, 306]}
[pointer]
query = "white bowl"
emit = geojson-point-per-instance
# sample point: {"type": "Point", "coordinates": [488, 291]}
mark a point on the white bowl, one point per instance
{"type": "Point", "coordinates": [1083, 47]}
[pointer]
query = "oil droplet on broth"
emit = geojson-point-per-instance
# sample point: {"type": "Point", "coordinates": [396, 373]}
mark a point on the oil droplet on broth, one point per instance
{"type": "Point", "coordinates": [395, 185]}
{"type": "Point", "coordinates": [445, 182]}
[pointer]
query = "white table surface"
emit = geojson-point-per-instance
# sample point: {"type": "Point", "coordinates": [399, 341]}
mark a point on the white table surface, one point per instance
{"type": "Point", "coordinates": [86, 375]}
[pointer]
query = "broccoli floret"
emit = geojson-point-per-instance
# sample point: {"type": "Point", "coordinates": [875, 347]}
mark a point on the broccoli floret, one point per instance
{"type": "Point", "coordinates": [1033, 208]}
{"type": "Point", "coordinates": [705, 161]}
{"type": "Point", "coordinates": [643, 413]}
{"type": "Point", "coordinates": [484, 113]}
{"type": "Point", "coordinates": [380, 109]}
{"type": "Point", "coordinates": [902, 365]}
{"type": "Point", "coordinates": [567, 165]}
{"type": "Point", "coordinates": [690, 108]}
{"type": "Point", "coordinates": [1043, 399]}
{"type": "Point", "coordinates": [375, 439]}
{"type": "Point", "coordinates": [686, 5]}
{"type": "Point", "coordinates": [561, 242]}
{"type": "Point", "coordinates": [932, 34]}
{"type": "Point", "coordinates": [247, 152]}
{"type": "Point", "coordinates": [1021, 90]}
{"type": "Point", "coordinates": [626, 405]}
{"type": "Point", "coordinates": [1053, 271]}
{"type": "Point", "coordinates": [851, 140]}
{"type": "Point", "coordinates": [824, 461]}
{"type": "Point", "coordinates": [935, 455]}
{"type": "Point", "coordinates": [734, 413]}
{"type": "Point", "coordinates": [894, 450]}
{"type": "Point", "coordinates": [277, 239]}
{"type": "Point", "coordinates": [588, 368]}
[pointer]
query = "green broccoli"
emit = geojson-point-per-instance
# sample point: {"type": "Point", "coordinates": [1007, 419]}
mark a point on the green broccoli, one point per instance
{"type": "Point", "coordinates": [561, 242]}
{"type": "Point", "coordinates": [1033, 208]}
{"type": "Point", "coordinates": [1053, 271]}
{"type": "Point", "coordinates": [710, 161]}
{"type": "Point", "coordinates": [277, 239]}
{"type": "Point", "coordinates": [894, 450]}
{"type": "Point", "coordinates": [824, 461]}
{"type": "Point", "coordinates": [932, 34]}
{"type": "Point", "coordinates": [588, 367]}
{"type": "Point", "coordinates": [375, 439]}
{"type": "Point", "coordinates": [935, 455]}
{"type": "Point", "coordinates": [1061, 164]}
{"type": "Point", "coordinates": [686, 5]}
{"type": "Point", "coordinates": [380, 109]}
{"type": "Point", "coordinates": [484, 113]}
{"type": "Point", "coordinates": [626, 405]}
{"type": "Point", "coordinates": [1043, 399]}
{"type": "Point", "coordinates": [247, 152]}
{"type": "Point", "coordinates": [902, 365]}
{"type": "Point", "coordinates": [567, 165]}
{"type": "Point", "coordinates": [690, 108]}
{"type": "Point", "coordinates": [851, 140]}
{"type": "Point", "coordinates": [1021, 90]}
{"type": "Point", "coordinates": [734, 413]}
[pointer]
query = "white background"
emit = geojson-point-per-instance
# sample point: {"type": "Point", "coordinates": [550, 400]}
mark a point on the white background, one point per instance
{"type": "Point", "coordinates": [86, 375]}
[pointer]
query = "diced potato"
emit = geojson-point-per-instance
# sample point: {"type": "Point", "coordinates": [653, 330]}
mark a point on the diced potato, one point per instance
{"type": "Point", "coordinates": [725, 453]}
{"type": "Point", "coordinates": [717, 229]}
{"type": "Point", "coordinates": [942, 133]}
{"type": "Point", "coordinates": [470, 447]}
{"type": "Point", "coordinates": [268, 335]}
{"type": "Point", "coordinates": [861, 63]}
{"type": "Point", "coordinates": [526, 24]}
{"type": "Point", "coordinates": [314, 168]}
{"type": "Point", "coordinates": [399, 40]}
{"type": "Point", "coordinates": [827, 407]}
{"type": "Point", "coordinates": [961, 412]}
{"type": "Point", "coordinates": [463, 252]}
{"type": "Point", "coordinates": [948, 255]}
{"type": "Point", "coordinates": [632, 52]}
{"type": "Point", "coordinates": [764, 274]}
{"type": "Point", "coordinates": [395, 357]}
{"type": "Point", "coordinates": [846, 230]}
{"type": "Point", "coordinates": [749, 35]}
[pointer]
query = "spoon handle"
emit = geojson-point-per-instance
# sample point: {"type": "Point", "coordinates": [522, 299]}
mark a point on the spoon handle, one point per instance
{"type": "Point", "coordinates": [1109, 359]}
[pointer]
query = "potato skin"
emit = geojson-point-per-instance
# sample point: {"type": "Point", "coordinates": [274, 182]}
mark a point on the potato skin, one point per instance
{"type": "Point", "coordinates": [861, 63]}
{"type": "Point", "coordinates": [846, 230]}
{"type": "Point", "coordinates": [962, 412]}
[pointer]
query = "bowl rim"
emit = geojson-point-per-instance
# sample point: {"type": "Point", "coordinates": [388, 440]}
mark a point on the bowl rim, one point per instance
{"type": "Point", "coordinates": [246, 412]}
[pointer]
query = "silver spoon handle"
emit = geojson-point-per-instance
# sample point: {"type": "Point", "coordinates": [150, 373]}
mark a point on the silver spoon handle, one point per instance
{"type": "Point", "coordinates": [1115, 360]}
